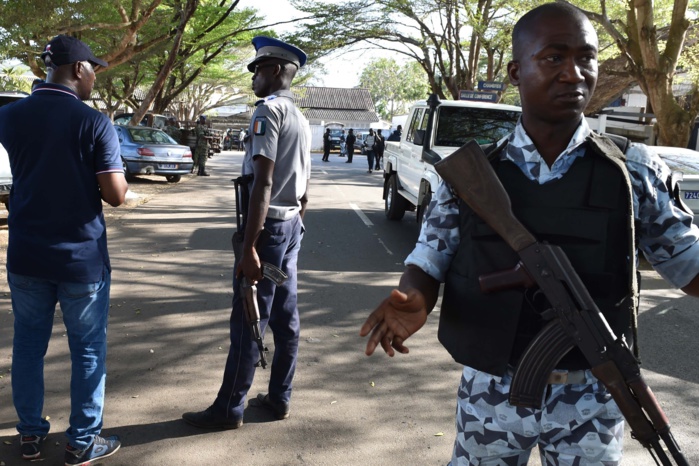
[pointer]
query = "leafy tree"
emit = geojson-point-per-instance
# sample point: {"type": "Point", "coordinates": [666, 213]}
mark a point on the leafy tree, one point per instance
{"type": "Point", "coordinates": [12, 78]}
{"type": "Point", "coordinates": [165, 46]}
{"type": "Point", "coordinates": [393, 87]}
{"type": "Point", "coordinates": [652, 56]}
{"type": "Point", "coordinates": [433, 33]}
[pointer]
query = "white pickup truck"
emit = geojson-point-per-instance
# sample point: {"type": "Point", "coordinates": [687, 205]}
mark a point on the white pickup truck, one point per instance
{"type": "Point", "coordinates": [435, 129]}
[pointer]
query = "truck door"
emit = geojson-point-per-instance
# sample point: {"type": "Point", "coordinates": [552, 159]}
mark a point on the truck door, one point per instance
{"type": "Point", "coordinates": [412, 152]}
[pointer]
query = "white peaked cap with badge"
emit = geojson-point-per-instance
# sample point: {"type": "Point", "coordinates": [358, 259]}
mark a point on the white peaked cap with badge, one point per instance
{"type": "Point", "coordinates": [268, 47]}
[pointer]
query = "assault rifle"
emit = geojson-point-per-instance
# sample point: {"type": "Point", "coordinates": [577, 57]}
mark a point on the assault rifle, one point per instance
{"type": "Point", "coordinates": [269, 271]}
{"type": "Point", "coordinates": [574, 317]}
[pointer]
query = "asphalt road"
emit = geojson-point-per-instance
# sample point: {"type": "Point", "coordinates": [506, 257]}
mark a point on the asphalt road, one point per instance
{"type": "Point", "coordinates": [168, 338]}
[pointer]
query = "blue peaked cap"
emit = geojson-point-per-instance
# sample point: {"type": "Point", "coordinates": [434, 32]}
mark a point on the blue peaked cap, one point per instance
{"type": "Point", "coordinates": [268, 47]}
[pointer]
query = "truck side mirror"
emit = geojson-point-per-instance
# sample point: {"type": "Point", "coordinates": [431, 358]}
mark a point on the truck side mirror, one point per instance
{"type": "Point", "coordinates": [419, 137]}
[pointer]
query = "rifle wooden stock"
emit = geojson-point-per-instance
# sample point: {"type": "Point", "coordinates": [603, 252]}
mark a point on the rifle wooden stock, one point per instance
{"type": "Point", "coordinates": [469, 173]}
{"type": "Point", "coordinates": [576, 319]}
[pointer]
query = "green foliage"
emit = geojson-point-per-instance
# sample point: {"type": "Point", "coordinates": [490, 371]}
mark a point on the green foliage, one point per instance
{"type": "Point", "coordinates": [13, 78]}
{"type": "Point", "coordinates": [393, 87]}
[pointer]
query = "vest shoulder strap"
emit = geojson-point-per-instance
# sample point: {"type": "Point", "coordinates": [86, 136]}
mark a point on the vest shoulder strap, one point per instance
{"type": "Point", "coordinates": [611, 145]}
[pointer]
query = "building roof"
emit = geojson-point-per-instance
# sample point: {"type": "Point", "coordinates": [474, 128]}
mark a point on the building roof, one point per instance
{"type": "Point", "coordinates": [333, 98]}
{"type": "Point", "coordinates": [323, 114]}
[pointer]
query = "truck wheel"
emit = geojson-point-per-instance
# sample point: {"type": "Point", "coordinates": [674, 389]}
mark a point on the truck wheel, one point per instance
{"type": "Point", "coordinates": [173, 178]}
{"type": "Point", "coordinates": [395, 204]}
{"type": "Point", "coordinates": [423, 207]}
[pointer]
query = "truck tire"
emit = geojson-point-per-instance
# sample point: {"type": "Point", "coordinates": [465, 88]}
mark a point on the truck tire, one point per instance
{"type": "Point", "coordinates": [395, 204]}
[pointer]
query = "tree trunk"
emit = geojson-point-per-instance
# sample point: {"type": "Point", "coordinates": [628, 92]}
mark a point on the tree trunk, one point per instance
{"type": "Point", "coordinates": [612, 81]}
{"type": "Point", "coordinates": [187, 13]}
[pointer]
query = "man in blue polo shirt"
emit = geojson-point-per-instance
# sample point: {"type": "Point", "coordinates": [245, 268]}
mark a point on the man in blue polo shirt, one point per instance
{"type": "Point", "coordinates": [57, 249]}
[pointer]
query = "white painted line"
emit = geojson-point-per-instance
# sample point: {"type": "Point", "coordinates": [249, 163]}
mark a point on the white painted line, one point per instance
{"type": "Point", "coordinates": [359, 212]}
{"type": "Point", "coordinates": [385, 247]}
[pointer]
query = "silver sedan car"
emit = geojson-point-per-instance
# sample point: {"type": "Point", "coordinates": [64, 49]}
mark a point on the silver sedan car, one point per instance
{"type": "Point", "coordinates": [150, 151]}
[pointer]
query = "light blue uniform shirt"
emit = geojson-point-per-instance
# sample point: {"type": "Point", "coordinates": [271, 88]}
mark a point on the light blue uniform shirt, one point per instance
{"type": "Point", "coordinates": [666, 235]}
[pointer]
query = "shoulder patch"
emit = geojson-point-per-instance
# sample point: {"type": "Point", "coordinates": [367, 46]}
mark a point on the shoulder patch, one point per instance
{"type": "Point", "coordinates": [259, 126]}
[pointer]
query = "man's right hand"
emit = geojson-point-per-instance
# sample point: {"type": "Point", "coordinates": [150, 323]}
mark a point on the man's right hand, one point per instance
{"type": "Point", "coordinates": [397, 317]}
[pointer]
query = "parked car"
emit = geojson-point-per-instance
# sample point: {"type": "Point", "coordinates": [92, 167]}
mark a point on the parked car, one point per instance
{"type": "Point", "coordinates": [5, 172]}
{"type": "Point", "coordinates": [685, 161]}
{"type": "Point", "coordinates": [153, 120]}
{"type": "Point", "coordinates": [150, 151]}
{"type": "Point", "coordinates": [359, 142]}
{"type": "Point", "coordinates": [336, 137]}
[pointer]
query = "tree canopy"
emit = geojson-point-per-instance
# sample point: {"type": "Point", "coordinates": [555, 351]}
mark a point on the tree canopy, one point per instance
{"type": "Point", "coordinates": [459, 42]}
{"type": "Point", "coordinates": [393, 87]}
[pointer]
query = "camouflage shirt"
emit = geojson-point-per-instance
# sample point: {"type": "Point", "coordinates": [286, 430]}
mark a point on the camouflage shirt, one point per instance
{"type": "Point", "coordinates": [201, 131]}
{"type": "Point", "coordinates": [666, 235]}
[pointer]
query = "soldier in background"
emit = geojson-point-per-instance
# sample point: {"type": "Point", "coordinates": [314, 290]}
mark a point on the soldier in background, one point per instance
{"type": "Point", "coordinates": [201, 153]}
{"type": "Point", "coordinates": [172, 129]}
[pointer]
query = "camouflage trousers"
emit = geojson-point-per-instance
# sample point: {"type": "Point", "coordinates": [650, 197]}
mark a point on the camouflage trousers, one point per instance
{"type": "Point", "coordinates": [579, 425]}
{"type": "Point", "coordinates": [201, 153]}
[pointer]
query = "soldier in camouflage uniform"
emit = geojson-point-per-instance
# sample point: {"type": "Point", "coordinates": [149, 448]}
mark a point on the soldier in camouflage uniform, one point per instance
{"type": "Point", "coordinates": [201, 153]}
{"type": "Point", "coordinates": [554, 169]}
{"type": "Point", "coordinates": [172, 129]}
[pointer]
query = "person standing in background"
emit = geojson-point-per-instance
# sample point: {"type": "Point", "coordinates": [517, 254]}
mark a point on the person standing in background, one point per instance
{"type": "Point", "coordinates": [379, 146]}
{"type": "Point", "coordinates": [368, 145]}
{"type": "Point", "coordinates": [349, 144]}
{"type": "Point", "coordinates": [201, 152]}
{"type": "Point", "coordinates": [326, 145]}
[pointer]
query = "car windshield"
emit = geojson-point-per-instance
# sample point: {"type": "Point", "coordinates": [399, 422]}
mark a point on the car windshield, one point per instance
{"type": "Point", "coordinates": [335, 133]}
{"type": "Point", "coordinates": [150, 136]}
{"type": "Point", "coordinates": [458, 125]}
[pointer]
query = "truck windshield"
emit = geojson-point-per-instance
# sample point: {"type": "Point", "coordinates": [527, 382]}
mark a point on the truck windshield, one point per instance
{"type": "Point", "coordinates": [458, 125]}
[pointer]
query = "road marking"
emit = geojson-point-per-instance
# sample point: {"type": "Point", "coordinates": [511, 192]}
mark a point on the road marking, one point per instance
{"type": "Point", "coordinates": [385, 247]}
{"type": "Point", "coordinates": [359, 212]}
{"type": "Point", "coordinates": [368, 223]}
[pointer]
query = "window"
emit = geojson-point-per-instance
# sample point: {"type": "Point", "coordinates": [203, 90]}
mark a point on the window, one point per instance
{"type": "Point", "coordinates": [150, 136]}
{"type": "Point", "coordinates": [458, 125]}
{"type": "Point", "coordinates": [415, 124]}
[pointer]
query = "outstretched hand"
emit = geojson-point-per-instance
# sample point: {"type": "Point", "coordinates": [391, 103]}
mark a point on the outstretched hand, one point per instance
{"type": "Point", "coordinates": [397, 317]}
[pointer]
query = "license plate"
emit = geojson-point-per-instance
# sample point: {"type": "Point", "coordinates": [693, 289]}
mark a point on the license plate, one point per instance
{"type": "Point", "coordinates": [168, 165]}
{"type": "Point", "coordinates": [691, 194]}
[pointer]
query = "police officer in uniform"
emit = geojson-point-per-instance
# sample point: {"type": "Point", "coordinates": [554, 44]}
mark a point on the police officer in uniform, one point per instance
{"type": "Point", "coordinates": [201, 152]}
{"type": "Point", "coordinates": [277, 155]}
{"type": "Point", "coordinates": [552, 166]}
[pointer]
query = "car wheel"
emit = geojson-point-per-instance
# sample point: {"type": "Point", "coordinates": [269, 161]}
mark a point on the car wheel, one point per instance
{"type": "Point", "coordinates": [395, 204]}
{"type": "Point", "coordinates": [173, 178]}
{"type": "Point", "coordinates": [127, 174]}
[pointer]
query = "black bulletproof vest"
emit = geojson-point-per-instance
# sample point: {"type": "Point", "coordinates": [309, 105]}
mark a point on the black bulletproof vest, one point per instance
{"type": "Point", "coordinates": [589, 214]}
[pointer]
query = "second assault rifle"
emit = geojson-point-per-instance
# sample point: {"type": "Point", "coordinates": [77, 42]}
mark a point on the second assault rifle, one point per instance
{"type": "Point", "coordinates": [575, 319]}
{"type": "Point", "coordinates": [269, 271]}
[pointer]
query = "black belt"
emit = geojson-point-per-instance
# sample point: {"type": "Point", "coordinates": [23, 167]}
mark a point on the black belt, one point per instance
{"type": "Point", "coordinates": [563, 377]}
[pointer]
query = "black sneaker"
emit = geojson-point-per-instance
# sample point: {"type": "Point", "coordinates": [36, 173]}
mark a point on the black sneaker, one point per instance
{"type": "Point", "coordinates": [100, 448]}
{"type": "Point", "coordinates": [31, 446]}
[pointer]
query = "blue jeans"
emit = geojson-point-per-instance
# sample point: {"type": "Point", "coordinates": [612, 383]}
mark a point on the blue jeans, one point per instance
{"type": "Point", "coordinates": [85, 307]}
{"type": "Point", "coordinates": [370, 158]}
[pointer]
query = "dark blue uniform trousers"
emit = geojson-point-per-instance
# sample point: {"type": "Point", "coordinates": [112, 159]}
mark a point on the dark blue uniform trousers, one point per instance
{"type": "Point", "coordinates": [278, 309]}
